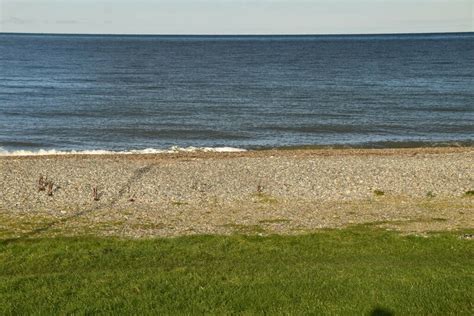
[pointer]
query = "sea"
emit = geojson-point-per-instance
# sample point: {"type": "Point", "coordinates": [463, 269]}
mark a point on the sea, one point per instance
{"type": "Point", "coordinates": [148, 94]}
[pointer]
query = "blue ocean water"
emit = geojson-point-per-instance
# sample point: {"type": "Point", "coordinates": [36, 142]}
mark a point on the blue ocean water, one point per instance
{"type": "Point", "coordinates": [84, 92]}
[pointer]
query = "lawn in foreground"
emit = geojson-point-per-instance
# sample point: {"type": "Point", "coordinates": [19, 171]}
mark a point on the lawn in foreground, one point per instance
{"type": "Point", "coordinates": [351, 271]}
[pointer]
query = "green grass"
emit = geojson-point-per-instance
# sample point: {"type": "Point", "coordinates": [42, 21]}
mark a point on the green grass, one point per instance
{"type": "Point", "coordinates": [353, 271]}
{"type": "Point", "coordinates": [179, 203]}
{"type": "Point", "coordinates": [265, 198]}
{"type": "Point", "coordinates": [274, 221]}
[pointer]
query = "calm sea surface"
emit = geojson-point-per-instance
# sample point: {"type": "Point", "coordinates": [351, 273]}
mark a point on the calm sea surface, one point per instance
{"type": "Point", "coordinates": [134, 92]}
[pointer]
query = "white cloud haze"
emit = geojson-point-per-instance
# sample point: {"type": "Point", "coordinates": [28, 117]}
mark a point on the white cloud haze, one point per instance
{"type": "Point", "coordinates": [236, 17]}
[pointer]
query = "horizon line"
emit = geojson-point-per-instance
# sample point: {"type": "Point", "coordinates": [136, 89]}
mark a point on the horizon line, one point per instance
{"type": "Point", "coordinates": [237, 34]}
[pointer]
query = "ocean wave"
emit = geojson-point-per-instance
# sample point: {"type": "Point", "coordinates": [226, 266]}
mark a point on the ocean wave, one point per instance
{"type": "Point", "coordinates": [173, 149]}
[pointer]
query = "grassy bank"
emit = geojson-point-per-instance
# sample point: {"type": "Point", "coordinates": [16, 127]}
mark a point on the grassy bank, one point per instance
{"type": "Point", "coordinates": [352, 271]}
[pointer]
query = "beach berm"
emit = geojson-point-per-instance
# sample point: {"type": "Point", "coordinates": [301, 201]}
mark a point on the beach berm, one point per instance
{"type": "Point", "coordinates": [255, 192]}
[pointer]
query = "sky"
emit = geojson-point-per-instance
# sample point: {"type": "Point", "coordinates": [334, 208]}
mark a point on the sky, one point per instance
{"type": "Point", "coordinates": [236, 16]}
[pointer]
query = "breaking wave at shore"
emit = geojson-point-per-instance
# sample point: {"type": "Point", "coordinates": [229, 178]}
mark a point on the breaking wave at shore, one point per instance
{"type": "Point", "coordinates": [228, 149]}
{"type": "Point", "coordinates": [171, 150]}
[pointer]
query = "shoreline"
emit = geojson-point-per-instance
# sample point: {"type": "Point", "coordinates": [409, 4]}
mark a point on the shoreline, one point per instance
{"type": "Point", "coordinates": [412, 190]}
{"type": "Point", "coordinates": [281, 151]}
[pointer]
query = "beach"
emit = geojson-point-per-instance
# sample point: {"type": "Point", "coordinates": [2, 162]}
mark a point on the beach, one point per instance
{"type": "Point", "coordinates": [291, 191]}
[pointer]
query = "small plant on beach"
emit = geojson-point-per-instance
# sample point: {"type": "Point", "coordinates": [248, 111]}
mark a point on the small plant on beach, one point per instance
{"type": "Point", "coordinates": [274, 221]}
{"type": "Point", "coordinates": [262, 196]}
{"type": "Point", "coordinates": [50, 186]}
{"type": "Point", "coordinates": [179, 203]}
{"type": "Point", "coordinates": [469, 193]}
{"type": "Point", "coordinates": [95, 195]}
{"type": "Point", "coordinates": [379, 192]}
{"type": "Point", "coordinates": [430, 194]}
{"type": "Point", "coordinates": [41, 183]}
{"type": "Point", "coordinates": [266, 198]}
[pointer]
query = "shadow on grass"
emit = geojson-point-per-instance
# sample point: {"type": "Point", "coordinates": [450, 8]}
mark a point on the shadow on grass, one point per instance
{"type": "Point", "coordinates": [137, 175]}
{"type": "Point", "coordinates": [380, 311]}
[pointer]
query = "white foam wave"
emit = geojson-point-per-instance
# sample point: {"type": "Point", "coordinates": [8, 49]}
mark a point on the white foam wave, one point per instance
{"type": "Point", "coordinates": [173, 149]}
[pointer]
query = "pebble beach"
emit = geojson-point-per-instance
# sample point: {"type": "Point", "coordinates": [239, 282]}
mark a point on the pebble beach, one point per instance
{"type": "Point", "coordinates": [256, 192]}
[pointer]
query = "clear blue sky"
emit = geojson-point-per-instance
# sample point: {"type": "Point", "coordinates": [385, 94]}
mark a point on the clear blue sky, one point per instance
{"type": "Point", "coordinates": [236, 17]}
